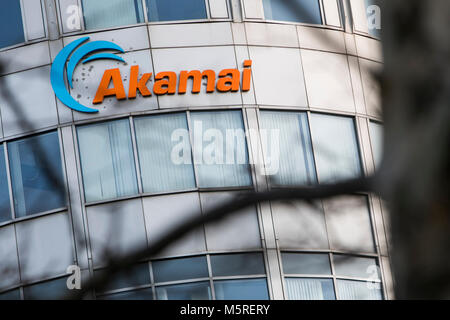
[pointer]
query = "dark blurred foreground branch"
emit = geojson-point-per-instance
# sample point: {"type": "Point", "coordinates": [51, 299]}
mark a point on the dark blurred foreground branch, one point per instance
{"type": "Point", "coordinates": [122, 263]}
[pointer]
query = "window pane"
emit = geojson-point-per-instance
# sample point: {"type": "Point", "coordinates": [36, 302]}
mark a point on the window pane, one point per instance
{"type": "Point", "coordinates": [167, 10]}
{"type": "Point", "coordinates": [310, 289]}
{"type": "Point", "coordinates": [136, 276]}
{"type": "Point", "coordinates": [180, 269]}
{"type": "Point", "coordinates": [100, 14]}
{"type": "Point", "coordinates": [220, 150]}
{"type": "Point", "coordinates": [30, 177]}
{"type": "Point", "coordinates": [293, 148]}
{"type": "Point", "coordinates": [335, 147]}
{"type": "Point", "coordinates": [145, 294]}
{"type": "Point", "coordinates": [164, 167]}
{"type": "Point", "coordinates": [251, 289]}
{"type": "Point", "coordinates": [306, 263]}
{"type": "Point", "coordinates": [355, 266]}
{"type": "Point", "coordinates": [5, 210]}
{"type": "Point", "coordinates": [376, 139]}
{"type": "Point", "coordinates": [189, 291]}
{"type": "Point", "coordinates": [11, 25]}
{"type": "Point", "coordinates": [358, 290]}
{"type": "Point", "coordinates": [306, 11]}
{"type": "Point", "coordinates": [49, 290]}
{"type": "Point", "coordinates": [10, 295]}
{"type": "Point", "coordinates": [237, 264]}
{"type": "Point", "coordinates": [107, 160]}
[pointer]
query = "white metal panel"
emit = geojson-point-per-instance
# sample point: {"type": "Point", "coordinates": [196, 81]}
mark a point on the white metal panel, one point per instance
{"type": "Point", "coordinates": [359, 16]}
{"type": "Point", "coordinates": [274, 35]}
{"type": "Point", "coordinates": [248, 97]}
{"type": "Point", "coordinates": [278, 76]}
{"type": "Point", "coordinates": [321, 39]}
{"type": "Point", "coordinates": [70, 15]}
{"type": "Point", "coordinates": [332, 14]}
{"type": "Point", "coordinates": [87, 77]}
{"type": "Point", "coordinates": [34, 20]}
{"type": "Point", "coordinates": [35, 101]}
{"type": "Point", "coordinates": [9, 263]}
{"type": "Point", "coordinates": [26, 57]}
{"type": "Point", "coordinates": [238, 30]}
{"type": "Point", "coordinates": [165, 212]}
{"type": "Point", "coordinates": [372, 90]}
{"type": "Point", "coordinates": [239, 231]}
{"type": "Point", "coordinates": [190, 35]}
{"type": "Point", "coordinates": [369, 48]}
{"type": "Point", "coordinates": [218, 9]}
{"type": "Point", "coordinates": [253, 9]}
{"type": "Point", "coordinates": [358, 91]}
{"type": "Point", "coordinates": [328, 72]}
{"type": "Point", "coordinates": [214, 58]}
{"type": "Point", "coordinates": [45, 246]}
{"type": "Point", "coordinates": [299, 226]}
{"type": "Point", "coordinates": [115, 228]}
{"type": "Point", "coordinates": [129, 39]}
{"type": "Point", "coordinates": [349, 224]}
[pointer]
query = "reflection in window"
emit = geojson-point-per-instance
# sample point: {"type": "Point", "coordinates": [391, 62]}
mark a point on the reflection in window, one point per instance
{"type": "Point", "coordinates": [376, 139]}
{"type": "Point", "coordinates": [305, 11]}
{"type": "Point", "coordinates": [291, 153]}
{"type": "Point", "coordinates": [10, 295]}
{"type": "Point", "coordinates": [306, 263]}
{"type": "Point", "coordinates": [335, 147]}
{"type": "Point", "coordinates": [358, 267]}
{"type": "Point", "coordinates": [137, 275]}
{"type": "Point", "coordinates": [173, 10]}
{"type": "Point", "coordinates": [5, 210]}
{"type": "Point", "coordinates": [309, 289]}
{"type": "Point", "coordinates": [220, 150]}
{"type": "Point", "coordinates": [100, 14]}
{"type": "Point", "coordinates": [144, 294]}
{"type": "Point", "coordinates": [32, 175]}
{"type": "Point", "coordinates": [11, 25]}
{"type": "Point", "coordinates": [188, 291]}
{"type": "Point", "coordinates": [107, 160]}
{"type": "Point", "coordinates": [160, 169]}
{"type": "Point", "coordinates": [248, 289]}
{"type": "Point", "coordinates": [358, 290]}
{"type": "Point", "coordinates": [237, 264]}
{"type": "Point", "coordinates": [180, 269]}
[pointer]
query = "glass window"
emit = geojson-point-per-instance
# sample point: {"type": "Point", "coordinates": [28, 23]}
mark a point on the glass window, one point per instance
{"type": "Point", "coordinates": [306, 11]}
{"type": "Point", "coordinates": [138, 275]}
{"type": "Point", "coordinates": [249, 289]}
{"type": "Point", "coordinates": [220, 150]}
{"type": "Point", "coordinates": [5, 210]}
{"type": "Point", "coordinates": [10, 295]}
{"type": "Point", "coordinates": [376, 139]}
{"type": "Point", "coordinates": [164, 153]}
{"type": "Point", "coordinates": [49, 290]}
{"type": "Point", "coordinates": [107, 160]}
{"type": "Point", "coordinates": [358, 267]}
{"type": "Point", "coordinates": [32, 160]}
{"type": "Point", "coordinates": [11, 25]}
{"type": "Point", "coordinates": [335, 147]}
{"type": "Point", "coordinates": [237, 264]}
{"type": "Point", "coordinates": [172, 10]}
{"type": "Point", "coordinates": [373, 13]}
{"type": "Point", "coordinates": [358, 290]}
{"type": "Point", "coordinates": [144, 294]}
{"type": "Point", "coordinates": [101, 14]}
{"type": "Point", "coordinates": [188, 291]}
{"type": "Point", "coordinates": [306, 263]}
{"type": "Point", "coordinates": [290, 150]}
{"type": "Point", "coordinates": [310, 289]}
{"type": "Point", "coordinates": [180, 269]}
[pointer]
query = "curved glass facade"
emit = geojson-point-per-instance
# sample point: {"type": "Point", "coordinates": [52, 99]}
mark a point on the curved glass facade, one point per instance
{"type": "Point", "coordinates": [120, 178]}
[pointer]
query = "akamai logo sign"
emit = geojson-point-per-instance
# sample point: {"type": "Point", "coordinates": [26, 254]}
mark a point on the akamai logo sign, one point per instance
{"type": "Point", "coordinates": [59, 65]}
{"type": "Point", "coordinates": [165, 83]}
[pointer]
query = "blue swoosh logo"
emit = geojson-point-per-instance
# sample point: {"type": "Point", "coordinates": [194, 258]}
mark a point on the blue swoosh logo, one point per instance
{"type": "Point", "coordinates": [76, 55]}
